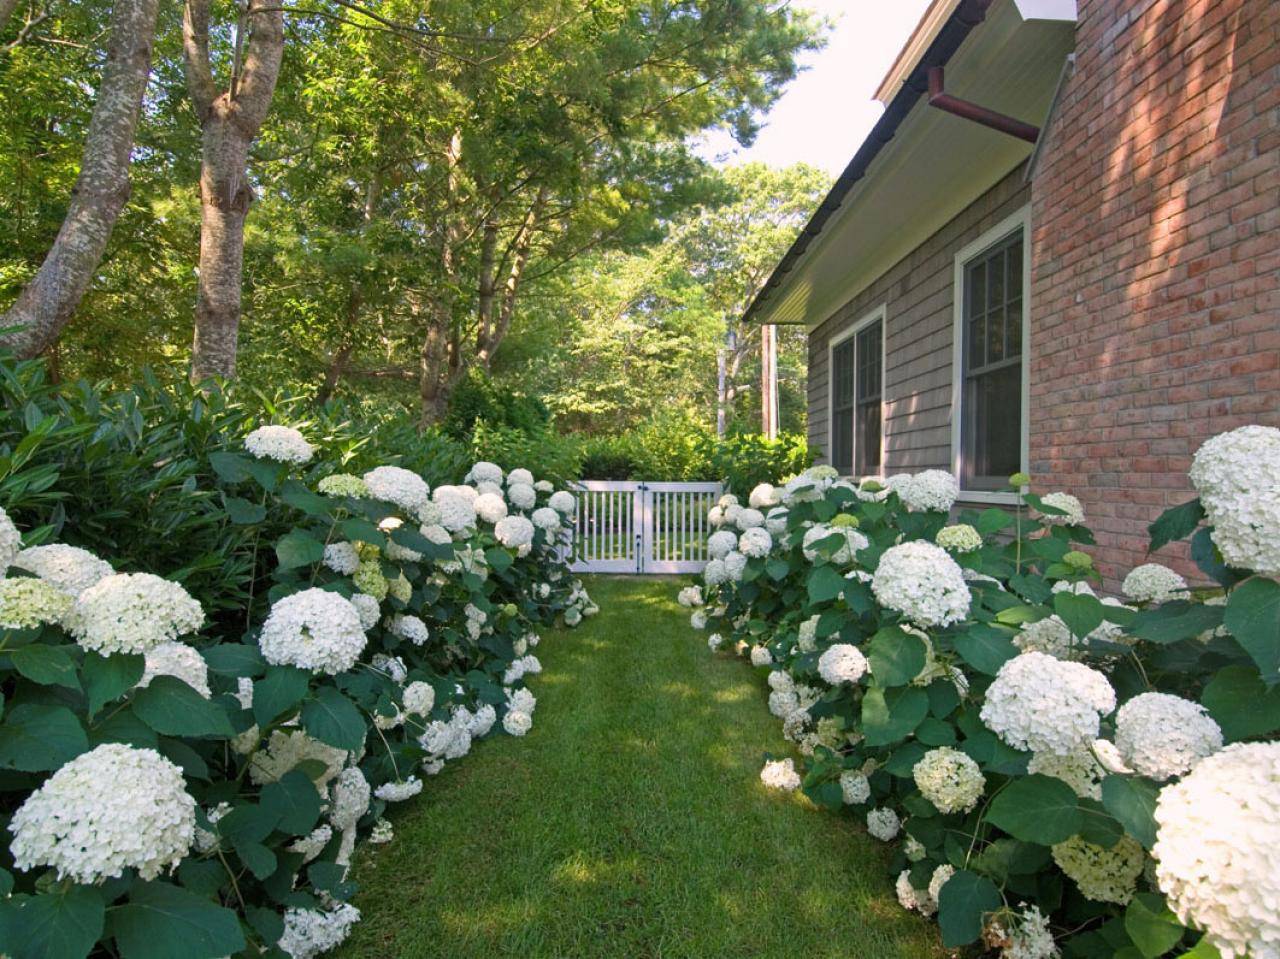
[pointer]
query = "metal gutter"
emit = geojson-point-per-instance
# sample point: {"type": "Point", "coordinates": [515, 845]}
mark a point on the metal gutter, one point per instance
{"type": "Point", "coordinates": [966, 16]}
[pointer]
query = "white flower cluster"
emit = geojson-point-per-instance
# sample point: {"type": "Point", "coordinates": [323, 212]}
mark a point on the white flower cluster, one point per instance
{"type": "Point", "coordinates": [764, 496]}
{"type": "Point", "coordinates": [949, 779]}
{"type": "Point", "coordinates": [110, 809]}
{"type": "Point", "coordinates": [842, 663]}
{"type": "Point", "coordinates": [310, 932]}
{"type": "Point", "coordinates": [132, 612]}
{"type": "Point", "coordinates": [457, 508]}
{"type": "Point", "coordinates": [410, 627]}
{"type": "Point", "coordinates": [563, 503]}
{"type": "Point", "coordinates": [514, 532]}
{"type": "Point", "coordinates": [1045, 705]}
{"type": "Point", "coordinates": [721, 543]}
{"type": "Point", "coordinates": [367, 608]}
{"type": "Point", "coordinates": [399, 791]}
{"type": "Point", "coordinates": [1050, 636]}
{"type": "Point", "coordinates": [1079, 769]}
{"type": "Point", "coordinates": [491, 507]}
{"type": "Point", "coordinates": [962, 538]}
{"type": "Point", "coordinates": [545, 518]}
{"type": "Point", "coordinates": [690, 597]}
{"type": "Point", "coordinates": [419, 698]}
{"type": "Point", "coordinates": [485, 472]}
{"type": "Point", "coordinates": [843, 554]}
{"type": "Point", "coordinates": [883, 823]}
{"type": "Point", "coordinates": [809, 485]}
{"type": "Point", "coordinates": [343, 484]}
{"type": "Point", "coordinates": [755, 542]}
{"type": "Point", "coordinates": [1153, 583]}
{"type": "Point", "coordinates": [1161, 736]}
{"type": "Point", "coordinates": [180, 660]}
{"type": "Point", "coordinates": [921, 581]}
{"type": "Point", "coordinates": [283, 444]}
{"type": "Point", "coordinates": [403, 487]}
{"type": "Point", "coordinates": [855, 787]}
{"type": "Point", "coordinates": [1217, 849]}
{"type": "Point", "coordinates": [935, 490]}
{"type": "Point", "coordinates": [780, 774]}
{"type": "Point", "coordinates": [10, 541]}
{"type": "Point", "coordinates": [1072, 511]}
{"type": "Point", "coordinates": [1238, 477]}
{"type": "Point", "coordinates": [447, 740]}
{"type": "Point", "coordinates": [1024, 935]}
{"type": "Point", "coordinates": [285, 749]}
{"type": "Point", "coordinates": [342, 557]}
{"type": "Point", "coordinates": [313, 629]}
{"type": "Point", "coordinates": [1101, 873]}
{"type": "Point", "coordinates": [27, 602]}
{"type": "Point", "coordinates": [69, 568]}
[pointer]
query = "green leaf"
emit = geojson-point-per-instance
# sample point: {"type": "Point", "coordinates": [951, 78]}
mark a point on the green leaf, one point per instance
{"type": "Point", "coordinates": [36, 737]}
{"type": "Point", "coordinates": [295, 801]}
{"type": "Point", "coordinates": [279, 691]}
{"type": "Point", "coordinates": [64, 924]}
{"type": "Point", "coordinates": [1175, 523]}
{"type": "Point", "coordinates": [333, 719]}
{"type": "Point", "coordinates": [893, 714]}
{"type": "Point", "coordinates": [1241, 704]}
{"type": "Point", "coordinates": [963, 903]}
{"type": "Point", "coordinates": [1253, 617]}
{"type": "Point", "coordinates": [242, 512]}
{"type": "Point", "coordinates": [993, 520]}
{"type": "Point", "coordinates": [1132, 801]}
{"type": "Point", "coordinates": [1082, 614]}
{"type": "Point", "coordinates": [896, 656]}
{"type": "Point", "coordinates": [302, 499]}
{"type": "Point", "coordinates": [298, 548]}
{"type": "Point", "coordinates": [163, 921]}
{"type": "Point", "coordinates": [1037, 809]}
{"type": "Point", "coordinates": [260, 860]}
{"type": "Point", "coordinates": [106, 678]}
{"type": "Point", "coordinates": [231, 467]}
{"type": "Point", "coordinates": [234, 659]}
{"type": "Point", "coordinates": [361, 531]}
{"type": "Point", "coordinates": [172, 708]}
{"type": "Point", "coordinates": [824, 584]}
{"type": "Point", "coordinates": [1175, 621]}
{"type": "Point", "coordinates": [1017, 615]}
{"type": "Point", "coordinates": [46, 665]}
{"type": "Point", "coordinates": [1151, 925]}
{"type": "Point", "coordinates": [499, 559]}
{"type": "Point", "coordinates": [985, 648]}
{"type": "Point", "coordinates": [777, 568]}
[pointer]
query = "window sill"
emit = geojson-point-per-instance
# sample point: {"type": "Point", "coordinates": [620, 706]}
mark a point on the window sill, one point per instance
{"type": "Point", "coordinates": [988, 497]}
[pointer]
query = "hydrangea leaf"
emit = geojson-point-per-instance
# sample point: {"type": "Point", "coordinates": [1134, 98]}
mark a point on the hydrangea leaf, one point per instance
{"type": "Point", "coordinates": [1132, 800]}
{"type": "Point", "coordinates": [230, 467]}
{"type": "Point", "coordinates": [1151, 925]}
{"type": "Point", "coordinates": [993, 520]}
{"type": "Point", "coordinates": [892, 714]}
{"type": "Point", "coordinates": [161, 920]}
{"type": "Point", "coordinates": [172, 708]}
{"type": "Point", "coordinates": [896, 656]}
{"type": "Point", "coordinates": [1208, 560]}
{"type": "Point", "coordinates": [303, 499]}
{"type": "Point", "coordinates": [1253, 617]}
{"type": "Point", "coordinates": [1082, 614]}
{"type": "Point", "coordinates": [499, 559]}
{"type": "Point", "coordinates": [106, 678]}
{"type": "Point", "coordinates": [1241, 704]}
{"type": "Point", "coordinates": [1175, 621]}
{"type": "Point", "coordinates": [278, 691]}
{"type": "Point", "coordinates": [35, 737]}
{"type": "Point", "coordinates": [298, 548]}
{"type": "Point", "coordinates": [1175, 523]}
{"type": "Point", "coordinates": [824, 584]}
{"type": "Point", "coordinates": [333, 719]}
{"type": "Point", "coordinates": [294, 801]}
{"type": "Point", "coordinates": [777, 568]}
{"type": "Point", "coordinates": [234, 659]}
{"type": "Point", "coordinates": [1011, 857]}
{"type": "Point", "coordinates": [963, 904]}
{"type": "Point", "coordinates": [985, 648]}
{"type": "Point", "coordinates": [46, 665]}
{"type": "Point", "coordinates": [1037, 809]}
{"type": "Point", "coordinates": [63, 924]}
{"type": "Point", "coordinates": [242, 512]}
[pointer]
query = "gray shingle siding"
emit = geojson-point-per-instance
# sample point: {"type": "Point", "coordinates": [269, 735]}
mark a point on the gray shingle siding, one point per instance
{"type": "Point", "coordinates": [917, 293]}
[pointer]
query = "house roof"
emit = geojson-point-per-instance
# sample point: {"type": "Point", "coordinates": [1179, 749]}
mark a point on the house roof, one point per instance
{"type": "Point", "coordinates": [919, 167]}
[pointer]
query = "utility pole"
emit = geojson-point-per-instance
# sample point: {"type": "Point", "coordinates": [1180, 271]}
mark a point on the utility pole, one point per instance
{"type": "Point", "coordinates": [769, 381]}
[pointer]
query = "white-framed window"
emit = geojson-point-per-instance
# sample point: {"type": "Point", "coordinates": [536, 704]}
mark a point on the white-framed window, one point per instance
{"type": "Point", "coordinates": [855, 429]}
{"type": "Point", "coordinates": [991, 359]}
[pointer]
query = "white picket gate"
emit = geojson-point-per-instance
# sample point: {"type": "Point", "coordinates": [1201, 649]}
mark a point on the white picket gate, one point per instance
{"type": "Point", "coordinates": [624, 526]}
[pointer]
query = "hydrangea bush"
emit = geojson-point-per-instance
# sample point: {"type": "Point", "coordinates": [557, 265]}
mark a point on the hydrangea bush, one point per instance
{"type": "Point", "coordinates": [1060, 773]}
{"type": "Point", "coordinates": [179, 783]}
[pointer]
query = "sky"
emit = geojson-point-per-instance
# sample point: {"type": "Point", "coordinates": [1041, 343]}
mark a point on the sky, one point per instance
{"type": "Point", "coordinates": [827, 111]}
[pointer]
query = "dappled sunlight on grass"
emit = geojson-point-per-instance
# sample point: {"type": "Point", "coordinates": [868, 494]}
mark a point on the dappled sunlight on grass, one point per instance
{"type": "Point", "coordinates": [631, 822]}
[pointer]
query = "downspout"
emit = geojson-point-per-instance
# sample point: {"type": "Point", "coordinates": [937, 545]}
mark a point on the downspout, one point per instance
{"type": "Point", "coordinates": [939, 98]}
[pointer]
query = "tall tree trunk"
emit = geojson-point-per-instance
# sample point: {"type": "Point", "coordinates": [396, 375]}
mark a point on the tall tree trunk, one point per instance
{"type": "Point", "coordinates": [6, 11]}
{"type": "Point", "coordinates": [230, 120]}
{"type": "Point", "coordinates": [519, 257]}
{"type": "Point", "coordinates": [102, 188]}
{"type": "Point", "coordinates": [437, 359]}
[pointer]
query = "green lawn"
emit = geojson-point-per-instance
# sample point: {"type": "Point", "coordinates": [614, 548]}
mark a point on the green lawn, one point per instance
{"type": "Point", "coordinates": [630, 823]}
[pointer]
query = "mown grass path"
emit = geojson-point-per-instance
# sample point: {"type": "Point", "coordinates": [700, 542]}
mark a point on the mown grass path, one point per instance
{"type": "Point", "coordinates": [630, 823]}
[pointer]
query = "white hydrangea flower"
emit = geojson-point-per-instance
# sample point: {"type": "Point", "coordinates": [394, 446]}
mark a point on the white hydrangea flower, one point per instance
{"type": "Point", "coordinates": [27, 602]}
{"type": "Point", "coordinates": [521, 701]}
{"type": "Point", "coordinates": [775, 521]}
{"type": "Point", "coordinates": [928, 490]}
{"type": "Point", "coordinates": [10, 542]}
{"type": "Point", "coordinates": [180, 660]}
{"type": "Point", "coordinates": [485, 472]}
{"type": "Point", "coordinates": [382, 832]}
{"type": "Point", "coordinates": [1153, 583]}
{"type": "Point", "coordinates": [949, 779]}
{"type": "Point", "coordinates": [403, 487]}
{"type": "Point", "coordinates": [410, 627]}
{"type": "Point", "coordinates": [807, 634]}
{"type": "Point", "coordinates": [1238, 477]}
{"type": "Point", "coordinates": [690, 597]}
{"type": "Point", "coordinates": [429, 514]}
{"type": "Point", "coordinates": [348, 798]}
{"type": "Point", "coordinates": [1072, 510]}
{"type": "Point", "coordinates": [939, 879]}
{"type": "Point", "coordinates": [517, 722]}
{"type": "Point", "coordinates": [721, 543]}
{"type": "Point", "coordinates": [69, 568]}
{"type": "Point", "coordinates": [285, 749]}
{"type": "Point", "coordinates": [760, 656]}
{"type": "Point", "coordinates": [399, 791]}
{"type": "Point", "coordinates": [522, 496]}
{"type": "Point", "coordinates": [110, 809]}
{"type": "Point", "coordinates": [313, 629]}
{"type": "Point", "coordinates": [962, 538]}
{"type": "Point", "coordinates": [1046, 705]}
{"type": "Point", "coordinates": [393, 666]}
{"type": "Point", "coordinates": [1050, 636]}
{"type": "Point", "coordinates": [311, 845]}
{"type": "Point", "coordinates": [457, 510]}
{"type": "Point", "coordinates": [1102, 874]}
{"type": "Point", "coordinates": [855, 788]}
{"type": "Point", "coordinates": [735, 564]}
{"type": "Point", "coordinates": [921, 581]}
{"type": "Point", "coordinates": [1079, 769]}
{"type": "Point", "coordinates": [764, 496]}
{"type": "Point", "coordinates": [912, 899]}
{"type": "Point", "coordinates": [514, 532]}
{"type": "Point", "coordinates": [520, 476]}
{"type": "Point", "coordinates": [131, 613]}
{"type": "Point", "coordinates": [563, 503]}
{"type": "Point", "coordinates": [853, 542]}
{"type": "Point", "coordinates": [544, 517]}
{"type": "Point", "coordinates": [1161, 736]}
{"type": "Point", "coordinates": [283, 444]}
{"type": "Point", "coordinates": [343, 484]}
{"type": "Point", "coordinates": [780, 774]}
{"type": "Point", "coordinates": [490, 507]}
{"type": "Point", "coordinates": [343, 558]}
{"type": "Point", "coordinates": [715, 517]}
{"type": "Point", "coordinates": [755, 542]}
{"type": "Point", "coordinates": [748, 518]}
{"type": "Point", "coordinates": [883, 823]}
{"type": "Point", "coordinates": [1217, 849]}
{"type": "Point", "coordinates": [367, 608]}
{"type": "Point", "coordinates": [1024, 935]}
{"type": "Point", "coordinates": [419, 698]}
{"type": "Point", "coordinates": [842, 663]}
{"type": "Point", "coordinates": [310, 932]}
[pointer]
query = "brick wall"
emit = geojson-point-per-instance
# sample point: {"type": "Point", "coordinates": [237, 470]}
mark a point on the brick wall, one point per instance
{"type": "Point", "coordinates": [1156, 252]}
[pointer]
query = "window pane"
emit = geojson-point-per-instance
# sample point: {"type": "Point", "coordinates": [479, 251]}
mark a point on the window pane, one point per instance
{"type": "Point", "coordinates": [995, 280]}
{"type": "Point", "coordinates": [977, 289]}
{"type": "Point", "coordinates": [870, 416]}
{"type": "Point", "coordinates": [842, 441]}
{"type": "Point", "coordinates": [1013, 329]}
{"type": "Point", "coordinates": [995, 335]}
{"type": "Point", "coordinates": [842, 374]}
{"type": "Point", "coordinates": [992, 441]}
{"type": "Point", "coordinates": [977, 343]}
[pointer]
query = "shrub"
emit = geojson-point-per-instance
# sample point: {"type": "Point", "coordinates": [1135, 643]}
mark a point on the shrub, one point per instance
{"type": "Point", "coordinates": [478, 399]}
{"type": "Point", "coordinates": [1048, 763]}
{"type": "Point", "coordinates": [187, 774]}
